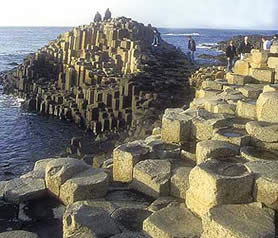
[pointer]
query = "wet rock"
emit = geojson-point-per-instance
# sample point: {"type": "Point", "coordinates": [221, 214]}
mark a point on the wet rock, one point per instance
{"type": "Point", "coordinates": [232, 135]}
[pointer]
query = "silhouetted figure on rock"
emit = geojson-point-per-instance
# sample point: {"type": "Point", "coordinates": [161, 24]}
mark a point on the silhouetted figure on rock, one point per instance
{"type": "Point", "coordinates": [98, 17]}
{"type": "Point", "coordinates": [107, 15]}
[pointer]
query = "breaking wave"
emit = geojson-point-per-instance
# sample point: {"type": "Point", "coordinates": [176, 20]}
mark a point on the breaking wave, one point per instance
{"type": "Point", "coordinates": [182, 34]}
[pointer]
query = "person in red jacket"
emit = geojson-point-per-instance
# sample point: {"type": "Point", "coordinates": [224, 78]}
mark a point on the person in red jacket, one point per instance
{"type": "Point", "coordinates": [192, 49]}
{"type": "Point", "coordinates": [231, 55]}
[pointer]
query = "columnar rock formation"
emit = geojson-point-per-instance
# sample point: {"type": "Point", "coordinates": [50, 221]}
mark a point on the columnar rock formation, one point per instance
{"type": "Point", "coordinates": [98, 75]}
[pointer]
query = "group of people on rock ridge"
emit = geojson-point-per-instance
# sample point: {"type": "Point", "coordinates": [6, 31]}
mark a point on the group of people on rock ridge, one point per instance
{"type": "Point", "coordinates": [107, 16]}
{"type": "Point", "coordinates": [244, 48]}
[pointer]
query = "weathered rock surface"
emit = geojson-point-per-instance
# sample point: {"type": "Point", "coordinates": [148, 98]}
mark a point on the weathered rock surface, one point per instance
{"type": "Point", "coordinates": [173, 222]}
{"type": "Point", "coordinates": [24, 189]}
{"type": "Point", "coordinates": [58, 171]}
{"type": "Point", "coordinates": [267, 107]}
{"type": "Point", "coordinates": [82, 218]}
{"type": "Point", "coordinates": [125, 157]}
{"type": "Point", "coordinates": [18, 234]}
{"type": "Point", "coordinates": [213, 149]}
{"type": "Point", "coordinates": [90, 184]}
{"type": "Point", "coordinates": [238, 221]}
{"type": "Point", "coordinates": [152, 177]}
{"type": "Point", "coordinates": [217, 182]}
{"type": "Point", "coordinates": [263, 131]}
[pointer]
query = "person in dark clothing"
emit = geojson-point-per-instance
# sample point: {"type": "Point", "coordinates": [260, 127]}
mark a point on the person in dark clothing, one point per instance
{"type": "Point", "coordinates": [107, 15]}
{"type": "Point", "coordinates": [244, 47]}
{"type": "Point", "coordinates": [192, 49]}
{"type": "Point", "coordinates": [156, 39]}
{"type": "Point", "coordinates": [231, 55]}
{"type": "Point", "coordinates": [98, 17]}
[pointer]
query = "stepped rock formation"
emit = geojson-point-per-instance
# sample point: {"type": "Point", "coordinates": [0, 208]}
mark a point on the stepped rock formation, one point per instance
{"type": "Point", "coordinates": [99, 75]}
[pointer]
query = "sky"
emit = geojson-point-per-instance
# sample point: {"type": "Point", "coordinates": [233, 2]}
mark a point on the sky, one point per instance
{"type": "Point", "coordinates": [236, 14]}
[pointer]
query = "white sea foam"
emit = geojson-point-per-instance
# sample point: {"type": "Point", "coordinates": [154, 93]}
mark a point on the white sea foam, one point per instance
{"type": "Point", "coordinates": [206, 45]}
{"type": "Point", "coordinates": [182, 34]}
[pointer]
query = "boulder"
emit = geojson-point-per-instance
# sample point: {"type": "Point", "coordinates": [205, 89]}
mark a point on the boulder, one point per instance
{"type": "Point", "coordinates": [246, 109]}
{"type": "Point", "coordinates": [263, 131]}
{"type": "Point", "coordinates": [266, 182]}
{"type": "Point", "coordinates": [238, 221]}
{"type": "Point", "coordinates": [81, 218]}
{"type": "Point", "coordinates": [173, 222]}
{"type": "Point", "coordinates": [213, 149]}
{"type": "Point", "coordinates": [218, 182]}
{"type": "Point", "coordinates": [241, 67]}
{"type": "Point", "coordinates": [262, 75]}
{"type": "Point", "coordinates": [180, 182]}
{"type": "Point", "coordinates": [18, 234]}
{"type": "Point", "coordinates": [176, 126]}
{"type": "Point", "coordinates": [267, 107]}
{"type": "Point", "coordinates": [90, 184]}
{"type": "Point", "coordinates": [125, 157]}
{"type": "Point", "coordinates": [58, 171]}
{"type": "Point", "coordinates": [21, 190]}
{"type": "Point", "coordinates": [152, 177]}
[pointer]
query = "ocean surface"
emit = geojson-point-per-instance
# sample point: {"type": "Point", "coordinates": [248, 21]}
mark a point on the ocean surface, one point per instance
{"type": "Point", "coordinates": [27, 137]}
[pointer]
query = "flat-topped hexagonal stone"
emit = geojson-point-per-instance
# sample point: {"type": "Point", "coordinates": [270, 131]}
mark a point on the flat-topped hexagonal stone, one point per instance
{"type": "Point", "coordinates": [162, 150]}
{"type": "Point", "coordinates": [233, 135]}
{"type": "Point", "coordinates": [215, 85]}
{"type": "Point", "coordinates": [58, 171]}
{"type": "Point", "coordinates": [273, 62]}
{"type": "Point", "coordinates": [18, 234]}
{"type": "Point", "coordinates": [176, 126]}
{"type": "Point", "coordinates": [217, 182]}
{"type": "Point", "coordinates": [79, 217]}
{"type": "Point", "coordinates": [173, 222]}
{"type": "Point", "coordinates": [266, 184]}
{"type": "Point", "coordinates": [246, 109]}
{"type": "Point", "coordinates": [263, 131]}
{"type": "Point", "coordinates": [215, 149]}
{"type": "Point", "coordinates": [205, 123]}
{"type": "Point", "coordinates": [263, 75]}
{"type": "Point", "coordinates": [251, 91]}
{"type": "Point", "coordinates": [270, 88]}
{"type": "Point", "coordinates": [238, 221]}
{"type": "Point", "coordinates": [267, 107]}
{"type": "Point", "coordinates": [152, 177]}
{"type": "Point", "coordinates": [180, 182]}
{"type": "Point", "coordinates": [89, 184]}
{"type": "Point", "coordinates": [163, 202]}
{"type": "Point", "coordinates": [237, 79]}
{"type": "Point", "coordinates": [24, 189]}
{"type": "Point", "coordinates": [207, 93]}
{"type": "Point", "coordinates": [125, 157]}
{"type": "Point", "coordinates": [251, 153]}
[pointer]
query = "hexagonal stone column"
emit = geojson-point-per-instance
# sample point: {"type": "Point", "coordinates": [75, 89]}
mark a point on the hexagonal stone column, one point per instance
{"type": "Point", "coordinates": [266, 182]}
{"type": "Point", "coordinates": [238, 221]}
{"type": "Point", "coordinates": [217, 182]}
{"type": "Point", "coordinates": [173, 222]}
{"type": "Point", "coordinates": [125, 157]}
{"type": "Point", "coordinates": [58, 171]}
{"type": "Point", "coordinates": [213, 149]}
{"type": "Point", "coordinates": [176, 126]}
{"type": "Point", "coordinates": [152, 177]}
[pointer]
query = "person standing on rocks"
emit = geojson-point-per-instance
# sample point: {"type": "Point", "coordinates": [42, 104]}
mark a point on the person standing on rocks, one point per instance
{"type": "Point", "coordinates": [107, 15]}
{"type": "Point", "coordinates": [274, 41]}
{"type": "Point", "coordinates": [231, 55]}
{"type": "Point", "coordinates": [244, 48]}
{"type": "Point", "coordinates": [192, 49]}
{"type": "Point", "coordinates": [156, 39]}
{"type": "Point", "coordinates": [266, 44]}
{"type": "Point", "coordinates": [98, 17]}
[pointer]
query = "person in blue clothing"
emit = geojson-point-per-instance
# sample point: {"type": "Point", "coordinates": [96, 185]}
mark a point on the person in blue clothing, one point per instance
{"type": "Point", "coordinates": [192, 49]}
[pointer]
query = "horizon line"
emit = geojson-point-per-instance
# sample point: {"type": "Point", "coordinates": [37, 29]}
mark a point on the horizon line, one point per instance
{"type": "Point", "coordinates": [159, 27]}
